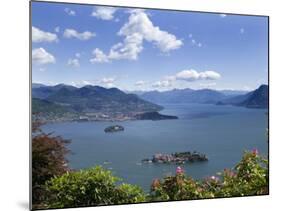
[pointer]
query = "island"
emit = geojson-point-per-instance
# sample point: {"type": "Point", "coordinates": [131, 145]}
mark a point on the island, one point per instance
{"type": "Point", "coordinates": [177, 158]}
{"type": "Point", "coordinates": [153, 116]}
{"type": "Point", "coordinates": [114, 128]}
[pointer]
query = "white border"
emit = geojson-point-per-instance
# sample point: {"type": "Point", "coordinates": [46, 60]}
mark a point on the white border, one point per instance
{"type": "Point", "coordinates": [15, 103]}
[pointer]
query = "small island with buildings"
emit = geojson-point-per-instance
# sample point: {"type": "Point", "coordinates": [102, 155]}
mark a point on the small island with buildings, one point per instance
{"type": "Point", "coordinates": [114, 128]}
{"type": "Point", "coordinates": [176, 158]}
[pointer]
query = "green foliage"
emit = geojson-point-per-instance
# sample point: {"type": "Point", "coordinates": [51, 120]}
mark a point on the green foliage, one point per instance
{"type": "Point", "coordinates": [249, 177]}
{"type": "Point", "coordinates": [90, 187]}
{"type": "Point", "coordinates": [48, 160]}
{"type": "Point", "coordinates": [177, 187]}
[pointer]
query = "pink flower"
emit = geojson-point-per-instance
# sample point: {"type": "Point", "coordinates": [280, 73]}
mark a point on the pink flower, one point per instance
{"type": "Point", "coordinates": [179, 170]}
{"type": "Point", "coordinates": [255, 151]}
{"type": "Point", "coordinates": [155, 184]}
{"type": "Point", "coordinates": [214, 178]}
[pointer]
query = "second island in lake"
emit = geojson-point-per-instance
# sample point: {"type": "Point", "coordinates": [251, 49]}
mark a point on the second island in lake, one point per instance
{"type": "Point", "coordinates": [114, 128]}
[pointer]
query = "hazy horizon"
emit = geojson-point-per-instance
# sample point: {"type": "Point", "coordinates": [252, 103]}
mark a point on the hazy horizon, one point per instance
{"type": "Point", "coordinates": [138, 90]}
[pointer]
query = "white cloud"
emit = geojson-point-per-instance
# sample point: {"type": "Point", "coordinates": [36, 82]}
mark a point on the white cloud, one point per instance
{"type": "Point", "coordinates": [78, 55]}
{"type": "Point", "coordinates": [57, 29]}
{"type": "Point", "coordinates": [140, 83]}
{"type": "Point", "coordinates": [162, 84]}
{"type": "Point", "coordinates": [40, 56]}
{"type": "Point", "coordinates": [139, 28]}
{"type": "Point", "coordinates": [193, 75]}
{"type": "Point", "coordinates": [73, 62]}
{"type": "Point", "coordinates": [242, 30]}
{"type": "Point", "coordinates": [99, 57]}
{"type": "Point", "coordinates": [41, 69]}
{"type": "Point", "coordinates": [84, 82]}
{"type": "Point", "coordinates": [42, 36]}
{"type": "Point", "coordinates": [140, 23]}
{"type": "Point", "coordinates": [199, 45]}
{"type": "Point", "coordinates": [81, 83]}
{"type": "Point", "coordinates": [190, 35]}
{"type": "Point", "coordinates": [70, 12]}
{"type": "Point", "coordinates": [223, 15]}
{"type": "Point", "coordinates": [104, 13]}
{"type": "Point", "coordinates": [129, 49]}
{"type": "Point", "coordinates": [187, 75]}
{"type": "Point", "coordinates": [70, 33]}
{"type": "Point", "coordinates": [107, 80]}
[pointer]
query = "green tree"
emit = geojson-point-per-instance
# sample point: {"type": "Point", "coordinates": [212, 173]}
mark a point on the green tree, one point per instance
{"type": "Point", "coordinates": [91, 187]}
{"type": "Point", "coordinates": [48, 160]}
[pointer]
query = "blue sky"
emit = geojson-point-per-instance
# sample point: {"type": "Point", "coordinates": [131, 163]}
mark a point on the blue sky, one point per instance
{"type": "Point", "coordinates": [135, 49]}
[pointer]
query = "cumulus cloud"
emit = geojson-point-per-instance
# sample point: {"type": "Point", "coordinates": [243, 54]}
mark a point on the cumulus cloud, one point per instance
{"type": "Point", "coordinates": [73, 62]}
{"type": "Point", "coordinates": [193, 75]}
{"type": "Point", "coordinates": [99, 57]}
{"type": "Point", "coordinates": [41, 36]}
{"type": "Point", "coordinates": [223, 15]}
{"type": "Point", "coordinates": [140, 23]}
{"type": "Point", "coordinates": [162, 84]}
{"type": "Point", "coordinates": [84, 82]}
{"type": "Point", "coordinates": [107, 80]}
{"type": "Point", "coordinates": [140, 83]}
{"type": "Point", "coordinates": [138, 29]}
{"type": "Point", "coordinates": [104, 13]}
{"type": "Point", "coordinates": [70, 11]}
{"type": "Point", "coordinates": [71, 33]}
{"type": "Point", "coordinates": [40, 56]}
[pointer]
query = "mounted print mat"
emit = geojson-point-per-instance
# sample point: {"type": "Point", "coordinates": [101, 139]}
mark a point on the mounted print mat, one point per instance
{"type": "Point", "coordinates": [134, 105]}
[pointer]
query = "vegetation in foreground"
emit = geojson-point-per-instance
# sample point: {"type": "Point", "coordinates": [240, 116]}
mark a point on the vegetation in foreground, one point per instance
{"type": "Point", "coordinates": [56, 186]}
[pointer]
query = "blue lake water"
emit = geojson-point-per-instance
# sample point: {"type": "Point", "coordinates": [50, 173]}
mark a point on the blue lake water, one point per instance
{"type": "Point", "coordinates": [220, 132]}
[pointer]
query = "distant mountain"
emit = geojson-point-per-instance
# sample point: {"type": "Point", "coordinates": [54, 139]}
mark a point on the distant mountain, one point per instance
{"type": "Point", "coordinates": [233, 93]}
{"type": "Point", "coordinates": [42, 91]}
{"type": "Point", "coordinates": [258, 99]}
{"type": "Point", "coordinates": [91, 99]}
{"type": "Point", "coordinates": [184, 96]}
{"type": "Point", "coordinates": [37, 85]}
{"type": "Point", "coordinates": [255, 99]}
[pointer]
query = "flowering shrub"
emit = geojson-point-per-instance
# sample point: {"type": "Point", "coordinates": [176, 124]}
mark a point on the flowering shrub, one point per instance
{"type": "Point", "coordinates": [97, 186]}
{"type": "Point", "coordinates": [249, 177]}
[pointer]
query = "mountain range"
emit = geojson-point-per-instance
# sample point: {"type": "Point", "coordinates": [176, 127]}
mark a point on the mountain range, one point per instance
{"type": "Point", "coordinates": [255, 99]}
{"type": "Point", "coordinates": [90, 99]}
{"type": "Point", "coordinates": [67, 102]}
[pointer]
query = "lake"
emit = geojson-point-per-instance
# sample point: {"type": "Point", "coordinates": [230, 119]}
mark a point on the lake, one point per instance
{"type": "Point", "coordinates": [220, 132]}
